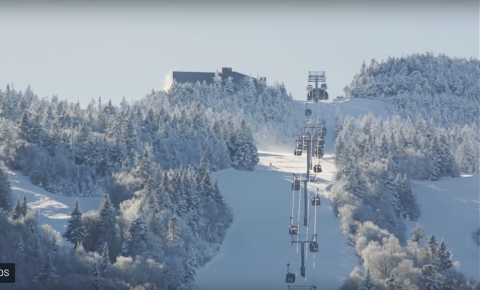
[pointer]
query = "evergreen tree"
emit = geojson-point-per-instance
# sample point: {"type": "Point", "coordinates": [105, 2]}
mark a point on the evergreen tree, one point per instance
{"type": "Point", "coordinates": [5, 191]}
{"type": "Point", "coordinates": [17, 210]}
{"type": "Point", "coordinates": [136, 245]}
{"type": "Point", "coordinates": [432, 246]}
{"type": "Point", "coordinates": [243, 152]}
{"type": "Point", "coordinates": [396, 193]}
{"type": "Point", "coordinates": [19, 251]}
{"type": "Point", "coordinates": [408, 202]}
{"type": "Point", "coordinates": [173, 236]}
{"type": "Point", "coordinates": [435, 160]}
{"type": "Point", "coordinates": [24, 205]}
{"type": "Point", "coordinates": [206, 187]}
{"type": "Point", "coordinates": [338, 121]}
{"type": "Point", "coordinates": [105, 259]}
{"type": "Point", "coordinates": [383, 147]}
{"type": "Point", "coordinates": [430, 278]}
{"type": "Point", "coordinates": [75, 230]}
{"type": "Point", "coordinates": [202, 167]}
{"type": "Point", "coordinates": [79, 250]}
{"type": "Point", "coordinates": [48, 272]}
{"type": "Point", "coordinates": [96, 277]}
{"type": "Point", "coordinates": [417, 233]}
{"type": "Point", "coordinates": [444, 257]}
{"type": "Point", "coordinates": [106, 225]}
{"type": "Point", "coordinates": [394, 224]}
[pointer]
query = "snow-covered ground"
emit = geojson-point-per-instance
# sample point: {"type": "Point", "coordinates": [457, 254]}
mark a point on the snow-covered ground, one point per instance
{"type": "Point", "coordinates": [257, 248]}
{"type": "Point", "coordinates": [52, 209]}
{"type": "Point", "coordinates": [451, 211]}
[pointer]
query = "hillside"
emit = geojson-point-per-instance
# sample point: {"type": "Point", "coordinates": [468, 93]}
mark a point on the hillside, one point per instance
{"type": "Point", "coordinates": [450, 210]}
{"type": "Point", "coordinates": [252, 234]}
{"type": "Point", "coordinates": [428, 138]}
{"type": "Point", "coordinates": [163, 213]}
{"type": "Point", "coordinates": [443, 88]}
{"type": "Point", "coordinates": [257, 245]}
{"type": "Point", "coordinates": [73, 151]}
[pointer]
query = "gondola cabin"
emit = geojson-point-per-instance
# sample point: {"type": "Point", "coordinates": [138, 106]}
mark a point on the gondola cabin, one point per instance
{"type": "Point", "coordinates": [323, 132]}
{"type": "Point", "coordinates": [293, 230]}
{"type": "Point", "coordinates": [313, 247]}
{"type": "Point", "coordinates": [296, 185]}
{"type": "Point", "coordinates": [319, 152]}
{"type": "Point", "coordinates": [308, 112]}
{"type": "Point", "coordinates": [290, 278]}
{"type": "Point", "coordinates": [323, 87]}
{"type": "Point", "coordinates": [320, 142]}
{"type": "Point", "coordinates": [324, 95]}
{"type": "Point", "coordinates": [309, 95]}
{"type": "Point", "coordinates": [317, 168]}
{"type": "Point", "coordinates": [297, 151]}
{"type": "Point", "coordinates": [316, 200]}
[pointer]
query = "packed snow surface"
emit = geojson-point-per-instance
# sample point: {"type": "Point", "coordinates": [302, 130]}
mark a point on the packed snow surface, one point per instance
{"type": "Point", "coordinates": [451, 211]}
{"type": "Point", "coordinates": [257, 248]}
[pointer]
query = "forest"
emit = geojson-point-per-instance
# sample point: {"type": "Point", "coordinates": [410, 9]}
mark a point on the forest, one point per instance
{"type": "Point", "coordinates": [162, 215]}
{"type": "Point", "coordinates": [376, 159]}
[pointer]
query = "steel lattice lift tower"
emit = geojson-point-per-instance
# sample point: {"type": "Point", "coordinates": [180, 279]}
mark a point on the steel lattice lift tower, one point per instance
{"type": "Point", "coordinates": [317, 93]}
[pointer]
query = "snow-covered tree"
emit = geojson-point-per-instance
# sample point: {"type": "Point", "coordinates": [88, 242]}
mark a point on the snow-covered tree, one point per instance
{"type": "Point", "coordinates": [243, 151]}
{"type": "Point", "coordinates": [417, 233]}
{"type": "Point", "coordinates": [96, 277]}
{"type": "Point", "coordinates": [5, 191]}
{"type": "Point", "coordinates": [75, 229]}
{"type": "Point", "coordinates": [48, 272]}
{"type": "Point", "coordinates": [368, 283]}
{"type": "Point", "coordinates": [17, 210]}
{"type": "Point", "coordinates": [444, 256]}
{"type": "Point", "coordinates": [105, 259]}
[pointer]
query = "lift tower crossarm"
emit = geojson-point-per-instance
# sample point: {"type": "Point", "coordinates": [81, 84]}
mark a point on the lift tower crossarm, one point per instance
{"type": "Point", "coordinates": [316, 76]}
{"type": "Point", "coordinates": [297, 239]}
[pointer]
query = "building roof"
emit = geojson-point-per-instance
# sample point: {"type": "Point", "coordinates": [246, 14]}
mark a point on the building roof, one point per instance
{"type": "Point", "coordinates": [193, 77]}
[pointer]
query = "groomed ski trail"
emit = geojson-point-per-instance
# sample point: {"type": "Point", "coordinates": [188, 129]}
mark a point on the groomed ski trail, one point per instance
{"type": "Point", "coordinates": [257, 248]}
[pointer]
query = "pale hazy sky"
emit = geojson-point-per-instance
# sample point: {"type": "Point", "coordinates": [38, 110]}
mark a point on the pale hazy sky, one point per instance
{"type": "Point", "coordinates": [114, 50]}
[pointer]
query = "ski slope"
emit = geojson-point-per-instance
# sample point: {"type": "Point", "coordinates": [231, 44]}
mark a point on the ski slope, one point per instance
{"type": "Point", "coordinates": [257, 248]}
{"type": "Point", "coordinates": [450, 210]}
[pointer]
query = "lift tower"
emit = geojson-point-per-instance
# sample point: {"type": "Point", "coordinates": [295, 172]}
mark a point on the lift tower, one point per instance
{"type": "Point", "coordinates": [316, 77]}
{"type": "Point", "coordinates": [311, 131]}
{"type": "Point", "coordinates": [302, 240]}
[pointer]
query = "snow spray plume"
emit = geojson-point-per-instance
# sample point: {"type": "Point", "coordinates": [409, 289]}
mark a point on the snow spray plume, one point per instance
{"type": "Point", "coordinates": [168, 81]}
